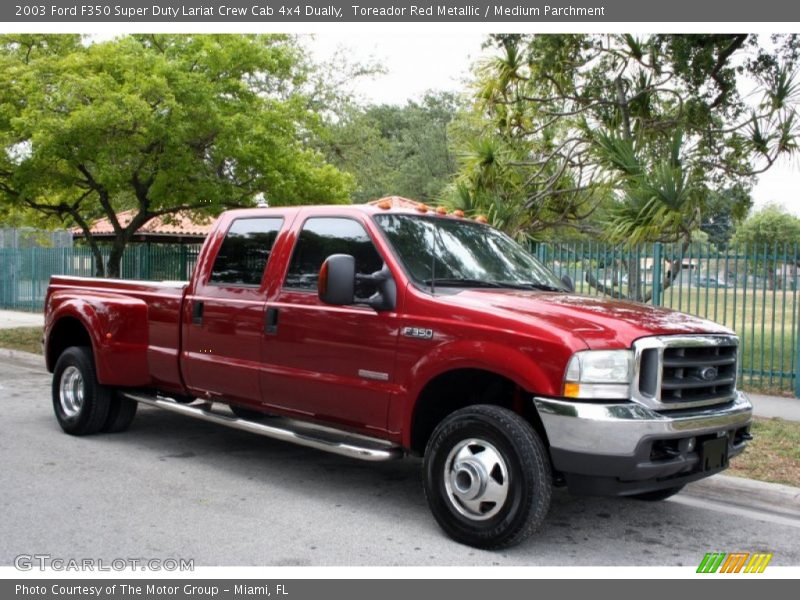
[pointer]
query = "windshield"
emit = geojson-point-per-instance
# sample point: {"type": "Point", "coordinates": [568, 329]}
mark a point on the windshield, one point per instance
{"type": "Point", "coordinates": [461, 253]}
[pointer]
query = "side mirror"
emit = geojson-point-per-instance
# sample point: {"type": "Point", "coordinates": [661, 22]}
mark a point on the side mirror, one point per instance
{"type": "Point", "coordinates": [337, 280]}
{"type": "Point", "coordinates": [385, 298]}
{"type": "Point", "coordinates": [568, 283]}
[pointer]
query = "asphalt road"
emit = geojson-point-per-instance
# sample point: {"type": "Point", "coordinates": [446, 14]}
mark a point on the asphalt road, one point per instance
{"type": "Point", "coordinates": [176, 487]}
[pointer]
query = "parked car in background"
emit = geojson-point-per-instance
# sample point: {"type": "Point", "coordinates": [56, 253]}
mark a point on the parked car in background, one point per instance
{"type": "Point", "coordinates": [708, 281]}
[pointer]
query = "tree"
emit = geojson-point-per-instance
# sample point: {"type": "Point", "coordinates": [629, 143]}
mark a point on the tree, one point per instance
{"type": "Point", "coordinates": [395, 150]}
{"type": "Point", "coordinates": [769, 226]}
{"type": "Point", "coordinates": [157, 124]}
{"type": "Point", "coordinates": [649, 129]}
{"type": "Point", "coordinates": [768, 231]}
{"type": "Point", "coordinates": [723, 212]}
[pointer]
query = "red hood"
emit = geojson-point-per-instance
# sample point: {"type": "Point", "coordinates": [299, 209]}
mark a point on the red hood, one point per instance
{"type": "Point", "coordinates": [599, 322]}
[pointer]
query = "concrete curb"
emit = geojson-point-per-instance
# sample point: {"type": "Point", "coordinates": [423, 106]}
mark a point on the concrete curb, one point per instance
{"type": "Point", "coordinates": [28, 359]}
{"type": "Point", "coordinates": [751, 494]}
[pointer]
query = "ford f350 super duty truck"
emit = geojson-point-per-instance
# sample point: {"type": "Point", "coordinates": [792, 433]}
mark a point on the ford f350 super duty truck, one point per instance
{"type": "Point", "coordinates": [377, 332]}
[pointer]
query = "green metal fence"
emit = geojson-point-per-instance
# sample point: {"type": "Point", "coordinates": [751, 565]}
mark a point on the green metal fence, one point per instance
{"type": "Point", "coordinates": [751, 289]}
{"type": "Point", "coordinates": [25, 272]}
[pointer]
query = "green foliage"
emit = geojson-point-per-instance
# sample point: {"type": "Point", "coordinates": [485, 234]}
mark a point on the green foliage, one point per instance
{"type": "Point", "coordinates": [158, 124]}
{"type": "Point", "coordinates": [722, 212]}
{"type": "Point", "coordinates": [395, 150]}
{"type": "Point", "coordinates": [770, 225]}
{"type": "Point", "coordinates": [631, 138]}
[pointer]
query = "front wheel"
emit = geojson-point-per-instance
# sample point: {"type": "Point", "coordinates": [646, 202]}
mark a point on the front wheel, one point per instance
{"type": "Point", "coordinates": [487, 477]}
{"type": "Point", "coordinates": [81, 404]}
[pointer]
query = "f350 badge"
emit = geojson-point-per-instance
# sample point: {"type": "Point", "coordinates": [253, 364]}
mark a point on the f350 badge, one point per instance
{"type": "Point", "coordinates": [418, 333]}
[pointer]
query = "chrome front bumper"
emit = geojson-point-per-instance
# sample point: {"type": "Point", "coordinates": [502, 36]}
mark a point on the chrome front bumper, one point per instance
{"type": "Point", "coordinates": [629, 449]}
{"type": "Point", "coordinates": [618, 429]}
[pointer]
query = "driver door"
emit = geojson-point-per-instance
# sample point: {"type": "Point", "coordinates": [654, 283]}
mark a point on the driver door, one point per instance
{"type": "Point", "coordinates": [333, 363]}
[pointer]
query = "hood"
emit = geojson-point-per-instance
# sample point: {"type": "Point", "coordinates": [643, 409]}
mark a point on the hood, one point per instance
{"type": "Point", "coordinates": [599, 322]}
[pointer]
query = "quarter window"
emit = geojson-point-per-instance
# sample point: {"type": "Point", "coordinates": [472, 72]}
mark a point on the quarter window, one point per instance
{"type": "Point", "coordinates": [321, 237]}
{"type": "Point", "coordinates": [245, 251]}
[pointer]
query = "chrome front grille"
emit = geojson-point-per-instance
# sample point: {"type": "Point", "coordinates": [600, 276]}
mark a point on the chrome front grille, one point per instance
{"type": "Point", "coordinates": [698, 373]}
{"type": "Point", "coordinates": [675, 372]}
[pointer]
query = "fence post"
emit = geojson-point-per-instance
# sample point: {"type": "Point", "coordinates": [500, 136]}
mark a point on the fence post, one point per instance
{"type": "Point", "coordinates": [797, 349]}
{"type": "Point", "coordinates": [146, 261]}
{"type": "Point", "coordinates": [184, 262]}
{"type": "Point", "coordinates": [657, 265]}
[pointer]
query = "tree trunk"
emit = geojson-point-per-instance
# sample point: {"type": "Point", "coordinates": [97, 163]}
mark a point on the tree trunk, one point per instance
{"type": "Point", "coordinates": [114, 266]}
{"type": "Point", "coordinates": [121, 241]}
{"type": "Point", "coordinates": [99, 267]}
{"type": "Point", "coordinates": [634, 278]}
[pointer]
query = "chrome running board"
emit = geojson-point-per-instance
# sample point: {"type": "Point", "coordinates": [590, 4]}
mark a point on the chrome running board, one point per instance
{"type": "Point", "coordinates": [309, 435]}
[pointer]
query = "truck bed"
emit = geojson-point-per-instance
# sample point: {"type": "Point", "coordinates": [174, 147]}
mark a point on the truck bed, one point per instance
{"type": "Point", "coordinates": [137, 323]}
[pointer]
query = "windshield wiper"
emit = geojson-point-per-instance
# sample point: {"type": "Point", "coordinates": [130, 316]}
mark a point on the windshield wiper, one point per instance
{"type": "Point", "coordinates": [533, 285]}
{"type": "Point", "coordinates": [481, 283]}
{"type": "Point", "coordinates": [458, 282]}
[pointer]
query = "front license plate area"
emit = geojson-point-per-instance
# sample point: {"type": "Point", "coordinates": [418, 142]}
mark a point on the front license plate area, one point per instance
{"type": "Point", "coordinates": [715, 454]}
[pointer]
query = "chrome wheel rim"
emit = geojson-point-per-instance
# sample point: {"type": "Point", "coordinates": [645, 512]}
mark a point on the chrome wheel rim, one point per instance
{"type": "Point", "coordinates": [71, 391]}
{"type": "Point", "coordinates": [476, 479]}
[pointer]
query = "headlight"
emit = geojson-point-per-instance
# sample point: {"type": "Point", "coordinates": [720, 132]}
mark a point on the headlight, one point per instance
{"type": "Point", "coordinates": [599, 374]}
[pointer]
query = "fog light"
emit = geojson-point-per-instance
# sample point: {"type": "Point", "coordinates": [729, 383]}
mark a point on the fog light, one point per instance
{"type": "Point", "coordinates": [692, 443]}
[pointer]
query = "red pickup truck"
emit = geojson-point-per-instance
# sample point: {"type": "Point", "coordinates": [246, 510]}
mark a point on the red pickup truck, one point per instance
{"type": "Point", "coordinates": [379, 331]}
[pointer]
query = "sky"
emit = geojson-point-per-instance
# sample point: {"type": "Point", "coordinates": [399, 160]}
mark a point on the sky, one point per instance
{"type": "Point", "coordinates": [416, 62]}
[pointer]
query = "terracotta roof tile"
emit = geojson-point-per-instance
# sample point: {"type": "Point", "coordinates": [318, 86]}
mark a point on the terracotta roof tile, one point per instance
{"type": "Point", "coordinates": [182, 223]}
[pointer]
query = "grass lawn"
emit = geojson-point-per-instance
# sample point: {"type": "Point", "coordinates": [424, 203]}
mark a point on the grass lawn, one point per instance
{"type": "Point", "coordinates": [773, 455]}
{"type": "Point", "coordinates": [28, 339]}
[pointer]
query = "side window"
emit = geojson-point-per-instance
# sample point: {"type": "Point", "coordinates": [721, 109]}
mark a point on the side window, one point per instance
{"type": "Point", "coordinates": [245, 250]}
{"type": "Point", "coordinates": [321, 237]}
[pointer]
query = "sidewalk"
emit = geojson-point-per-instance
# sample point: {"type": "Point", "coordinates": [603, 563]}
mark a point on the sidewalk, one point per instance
{"type": "Point", "coordinates": [776, 406]}
{"type": "Point", "coordinates": [12, 318]}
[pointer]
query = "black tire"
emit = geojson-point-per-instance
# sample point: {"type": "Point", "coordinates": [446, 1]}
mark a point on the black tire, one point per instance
{"type": "Point", "coordinates": [520, 466]}
{"type": "Point", "coordinates": [120, 414]}
{"type": "Point", "coordinates": [182, 399]}
{"type": "Point", "coordinates": [657, 495]}
{"type": "Point", "coordinates": [246, 413]}
{"type": "Point", "coordinates": [83, 407]}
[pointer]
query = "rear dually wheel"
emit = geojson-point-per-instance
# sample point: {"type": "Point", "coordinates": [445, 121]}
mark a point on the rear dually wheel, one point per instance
{"type": "Point", "coordinates": [80, 402]}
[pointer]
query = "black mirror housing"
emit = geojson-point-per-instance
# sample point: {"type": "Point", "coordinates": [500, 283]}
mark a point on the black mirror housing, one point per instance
{"type": "Point", "coordinates": [337, 280]}
{"type": "Point", "coordinates": [568, 283]}
{"type": "Point", "coordinates": [386, 296]}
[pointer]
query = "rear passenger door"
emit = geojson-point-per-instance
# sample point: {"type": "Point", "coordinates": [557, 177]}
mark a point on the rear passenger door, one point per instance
{"type": "Point", "coordinates": [335, 363]}
{"type": "Point", "coordinates": [222, 344]}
